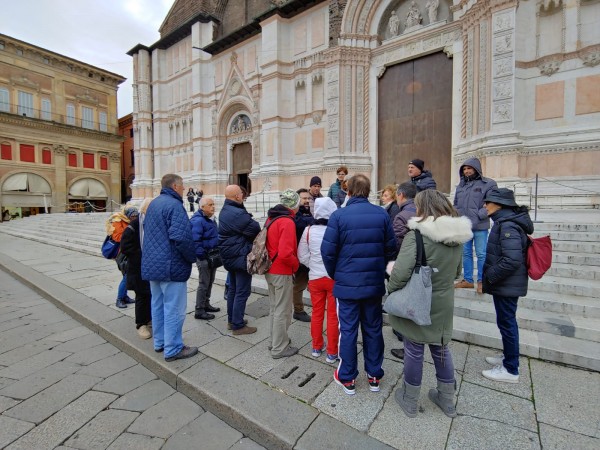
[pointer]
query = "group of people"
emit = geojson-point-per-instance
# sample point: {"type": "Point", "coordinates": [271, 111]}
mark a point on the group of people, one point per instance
{"type": "Point", "coordinates": [193, 197]}
{"type": "Point", "coordinates": [340, 251]}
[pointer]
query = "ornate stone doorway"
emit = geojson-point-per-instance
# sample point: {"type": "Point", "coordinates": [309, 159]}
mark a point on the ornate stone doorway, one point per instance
{"type": "Point", "coordinates": [241, 157]}
{"type": "Point", "coordinates": [415, 119]}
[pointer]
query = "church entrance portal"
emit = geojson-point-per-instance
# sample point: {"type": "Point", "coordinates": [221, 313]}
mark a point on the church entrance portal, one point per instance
{"type": "Point", "coordinates": [242, 165]}
{"type": "Point", "coordinates": [415, 119]}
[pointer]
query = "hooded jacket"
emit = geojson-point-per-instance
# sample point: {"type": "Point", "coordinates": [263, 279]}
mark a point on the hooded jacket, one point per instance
{"type": "Point", "coordinates": [358, 243]}
{"type": "Point", "coordinates": [407, 211]}
{"type": "Point", "coordinates": [237, 230]}
{"type": "Point", "coordinates": [505, 268]}
{"type": "Point", "coordinates": [424, 181]}
{"type": "Point", "coordinates": [281, 241]}
{"type": "Point", "coordinates": [470, 192]}
{"type": "Point", "coordinates": [309, 247]}
{"type": "Point", "coordinates": [443, 239]}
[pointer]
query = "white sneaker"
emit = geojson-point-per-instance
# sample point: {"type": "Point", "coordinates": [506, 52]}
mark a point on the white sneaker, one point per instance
{"type": "Point", "coordinates": [495, 360]}
{"type": "Point", "coordinates": [144, 332]}
{"type": "Point", "coordinates": [499, 373]}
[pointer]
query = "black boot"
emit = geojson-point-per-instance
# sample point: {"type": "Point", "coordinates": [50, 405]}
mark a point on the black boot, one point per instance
{"type": "Point", "coordinates": [203, 315]}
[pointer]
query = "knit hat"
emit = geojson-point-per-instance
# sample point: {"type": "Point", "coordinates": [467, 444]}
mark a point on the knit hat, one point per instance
{"type": "Point", "coordinates": [418, 163]}
{"type": "Point", "coordinates": [131, 211]}
{"type": "Point", "coordinates": [324, 208]}
{"type": "Point", "coordinates": [315, 180]}
{"type": "Point", "coordinates": [501, 196]}
{"type": "Point", "coordinates": [289, 198]}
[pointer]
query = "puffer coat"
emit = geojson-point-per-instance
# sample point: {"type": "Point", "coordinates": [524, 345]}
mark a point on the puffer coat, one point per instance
{"type": "Point", "coordinates": [237, 230]}
{"type": "Point", "coordinates": [470, 192]}
{"type": "Point", "coordinates": [442, 239]}
{"type": "Point", "coordinates": [204, 233]}
{"type": "Point", "coordinates": [424, 181]}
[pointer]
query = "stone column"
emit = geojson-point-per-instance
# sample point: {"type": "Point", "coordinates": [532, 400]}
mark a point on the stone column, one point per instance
{"type": "Point", "coordinates": [115, 182]}
{"type": "Point", "coordinates": [60, 193]}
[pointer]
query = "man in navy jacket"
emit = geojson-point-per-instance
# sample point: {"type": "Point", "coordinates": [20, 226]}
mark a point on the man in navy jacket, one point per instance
{"type": "Point", "coordinates": [167, 264]}
{"type": "Point", "coordinates": [358, 243]}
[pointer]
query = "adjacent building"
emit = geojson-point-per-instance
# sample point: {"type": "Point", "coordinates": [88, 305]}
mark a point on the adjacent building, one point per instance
{"type": "Point", "coordinates": [127, 156]}
{"type": "Point", "coordinates": [267, 94]}
{"type": "Point", "coordinates": [59, 141]}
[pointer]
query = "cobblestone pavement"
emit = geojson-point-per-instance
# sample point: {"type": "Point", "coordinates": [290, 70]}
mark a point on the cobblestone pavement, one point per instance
{"type": "Point", "coordinates": [54, 390]}
{"type": "Point", "coordinates": [62, 386]}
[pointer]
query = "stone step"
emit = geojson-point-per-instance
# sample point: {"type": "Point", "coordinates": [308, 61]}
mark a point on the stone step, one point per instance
{"type": "Point", "coordinates": [581, 236]}
{"type": "Point", "coordinates": [587, 307]}
{"type": "Point", "coordinates": [571, 271]}
{"type": "Point", "coordinates": [546, 227]}
{"type": "Point", "coordinates": [84, 248]}
{"type": "Point", "coordinates": [586, 288]}
{"type": "Point", "coordinates": [79, 240]}
{"type": "Point", "coordinates": [548, 322]}
{"type": "Point", "coordinates": [537, 344]}
{"type": "Point", "coordinates": [582, 259]}
{"type": "Point", "coordinates": [576, 246]}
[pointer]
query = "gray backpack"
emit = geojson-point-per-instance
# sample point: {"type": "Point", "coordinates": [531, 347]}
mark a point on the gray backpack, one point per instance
{"type": "Point", "coordinates": [258, 261]}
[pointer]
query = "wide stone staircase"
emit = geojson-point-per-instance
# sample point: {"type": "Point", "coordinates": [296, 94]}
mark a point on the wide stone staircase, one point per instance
{"type": "Point", "coordinates": [559, 319]}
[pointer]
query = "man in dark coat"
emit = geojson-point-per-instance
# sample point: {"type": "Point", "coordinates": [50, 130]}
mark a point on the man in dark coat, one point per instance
{"type": "Point", "coordinates": [421, 178]}
{"type": "Point", "coordinates": [358, 243]}
{"type": "Point", "coordinates": [315, 192]}
{"type": "Point", "coordinates": [303, 218]}
{"type": "Point", "coordinates": [167, 263]}
{"type": "Point", "coordinates": [468, 201]}
{"type": "Point", "coordinates": [237, 230]}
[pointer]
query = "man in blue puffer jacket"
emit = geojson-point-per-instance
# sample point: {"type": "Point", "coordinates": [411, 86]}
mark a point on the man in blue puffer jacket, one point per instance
{"type": "Point", "coordinates": [468, 201]}
{"type": "Point", "coordinates": [358, 243]}
{"type": "Point", "coordinates": [237, 230]}
{"type": "Point", "coordinates": [167, 264]}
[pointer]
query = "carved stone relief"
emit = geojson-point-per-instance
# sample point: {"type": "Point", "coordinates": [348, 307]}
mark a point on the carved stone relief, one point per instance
{"type": "Point", "coordinates": [503, 64]}
{"type": "Point", "coordinates": [503, 112]}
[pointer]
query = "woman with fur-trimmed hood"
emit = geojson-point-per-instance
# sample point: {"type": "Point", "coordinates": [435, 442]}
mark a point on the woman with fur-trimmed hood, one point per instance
{"type": "Point", "coordinates": [443, 234]}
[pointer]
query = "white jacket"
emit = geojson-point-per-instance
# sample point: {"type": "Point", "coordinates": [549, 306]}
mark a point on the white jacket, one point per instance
{"type": "Point", "coordinates": [309, 252]}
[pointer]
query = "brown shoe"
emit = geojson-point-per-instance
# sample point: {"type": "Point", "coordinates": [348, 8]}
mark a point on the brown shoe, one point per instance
{"type": "Point", "coordinates": [479, 287]}
{"type": "Point", "coordinates": [462, 284]}
{"type": "Point", "coordinates": [230, 326]}
{"type": "Point", "coordinates": [245, 330]}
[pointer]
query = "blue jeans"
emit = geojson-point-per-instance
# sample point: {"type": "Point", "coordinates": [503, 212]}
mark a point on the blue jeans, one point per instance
{"type": "Point", "coordinates": [169, 301]}
{"type": "Point", "coordinates": [413, 362]}
{"type": "Point", "coordinates": [122, 291]}
{"type": "Point", "coordinates": [480, 241]}
{"type": "Point", "coordinates": [368, 313]}
{"type": "Point", "coordinates": [506, 318]}
{"type": "Point", "coordinates": [240, 284]}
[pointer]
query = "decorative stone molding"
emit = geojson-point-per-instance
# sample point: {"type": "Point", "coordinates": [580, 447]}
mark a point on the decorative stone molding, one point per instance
{"type": "Point", "coordinates": [115, 157]}
{"type": "Point", "coordinates": [549, 66]}
{"type": "Point", "coordinates": [591, 57]}
{"type": "Point", "coordinates": [60, 149]}
{"type": "Point", "coordinates": [300, 83]}
{"type": "Point", "coordinates": [317, 116]}
{"type": "Point", "coordinates": [24, 81]}
{"type": "Point", "coordinates": [299, 121]}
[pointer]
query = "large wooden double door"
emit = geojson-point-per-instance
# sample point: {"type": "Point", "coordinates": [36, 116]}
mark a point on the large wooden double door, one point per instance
{"type": "Point", "coordinates": [242, 165]}
{"type": "Point", "coordinates": [415, 119]}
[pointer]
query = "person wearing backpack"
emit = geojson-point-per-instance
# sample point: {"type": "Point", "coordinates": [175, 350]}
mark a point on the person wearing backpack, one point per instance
{"type": "Point", "coordinates": [237, 230]}
{"type": "Point", "coordinates": [505, 276]}
{"type": "Point", "coordinates": [282, 247]}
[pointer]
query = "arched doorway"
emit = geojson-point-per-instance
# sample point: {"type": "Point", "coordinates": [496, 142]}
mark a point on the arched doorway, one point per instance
{"type": "Point", "coordinates": [87, 195]}
{"type": "Point", "coordinates": [241, 157]}
{"type": "Point", "coordinates": [25, 194]}
{"type": "Point", "coordinates": [415, 119]}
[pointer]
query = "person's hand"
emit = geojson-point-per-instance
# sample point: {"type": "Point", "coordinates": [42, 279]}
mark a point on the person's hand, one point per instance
{"type": "Point", "coordinates": [390, 267]}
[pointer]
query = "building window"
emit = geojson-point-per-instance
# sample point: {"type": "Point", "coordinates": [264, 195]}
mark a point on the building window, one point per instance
{"type": "Point", "coordinates": [4, 100]}
{"type": "Point", "coordinates": [131, 132]}
{"type": "Point", "coordinates": [72, 160]}
{"type": "Point", "coordinates": [87, 117]}
{"type": "Point", "coordinates": [132, 158]}
{"type": "Point", "coordinates": [70, 114]}
{"type": "Point", "coordinates": [46, 109]}
{"type": "Point", "coordinates": [25, 104]}
{"type": "Point", "coordinates": [1, 45]}
{"type": "Point", "coordinates": [46, 156]}
{"type": "Point", "coordinates": [88, 160]}
{"type": "Point", "coordinates": [103, 163]}
{"type": "Point", "coordinates": [6, 151]}
{"type": "Point", "coordinates": [27, 153]}
{"type": "Point", "coordinates": [103, 121]}
{"type": "Point", "coordinates": [19, 52]}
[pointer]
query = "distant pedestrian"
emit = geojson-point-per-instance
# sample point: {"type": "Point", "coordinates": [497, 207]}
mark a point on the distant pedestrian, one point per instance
{"type": "Point", "coordinates": [315, 192]}
{"type": "Point", "coordinates": [358, 243]}
{"type": "Point", "coordinates": [340, 202]}
{"type": "Point", "coordinates": [283, 252]}
{"type": "Point", "coordinates": [320, 285]}
{"type": "Point", "coordinates": [468, 201]}
{"type": "Point", "coordinates": [443, 234]}
{"type": "Point", "coordinates": [335, 187]}
{"type": "Point", "coordinates": [167, 258]}
{"type": "Point", "coordinates": [505, 276]}
{"type": "Point", "coordinates": [302, 218]}
{"type": "Point", "coordinates": [421, 178]}
{"type": "Point", "coordinates": [191, 196]}
{"type": "Point", "coordinates": [388, 201]}
{"type": "Point", "coordinates": [206, 238]}
{"type": "Point", "coordinates": [237, 230]}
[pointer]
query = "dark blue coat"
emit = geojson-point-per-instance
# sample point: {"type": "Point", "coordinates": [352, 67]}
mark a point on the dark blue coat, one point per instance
{"type": "Point", "coordinates": [168, 248]}
{"type": "Point", "coordinates": [424, 181]}
{"type": "Point", "coordinates": [470, 192]}
{"type": "Point", "coordinates": [358, 243]}
{"type": "Point", "coordinates": [505, 269]}
{"type": "Point", "coordinates": [204, 233]}
{"type": "Point", "coordinates": [237, 230]}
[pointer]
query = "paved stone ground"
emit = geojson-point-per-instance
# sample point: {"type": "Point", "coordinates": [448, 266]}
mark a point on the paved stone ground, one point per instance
{"type": "Point", "coordinates": [278, 403]}
{"type": "Point", "coordinates": [63, 386]}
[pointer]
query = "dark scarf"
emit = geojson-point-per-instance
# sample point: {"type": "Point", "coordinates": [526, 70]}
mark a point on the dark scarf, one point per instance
{"type": "Point", "coordinates": [321, 221]}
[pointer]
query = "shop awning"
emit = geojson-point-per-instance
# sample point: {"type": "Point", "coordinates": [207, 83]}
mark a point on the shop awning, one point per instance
{"type": "Point", "coordinates": [89, 188]}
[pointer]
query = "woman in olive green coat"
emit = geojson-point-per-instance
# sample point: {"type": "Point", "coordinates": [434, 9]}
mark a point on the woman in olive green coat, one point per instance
{"type": "Point", "coordinates": [443, 234]}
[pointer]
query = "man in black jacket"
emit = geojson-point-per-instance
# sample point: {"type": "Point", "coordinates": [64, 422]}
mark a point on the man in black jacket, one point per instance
{"type": "Point", "coordinates": [303, 219]}
{"type": "Point", "coordinates": [421, 178]}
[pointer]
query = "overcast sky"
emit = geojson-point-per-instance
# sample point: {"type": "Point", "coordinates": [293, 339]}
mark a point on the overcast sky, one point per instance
{"type": "Point", "coordinates": [97, 32]}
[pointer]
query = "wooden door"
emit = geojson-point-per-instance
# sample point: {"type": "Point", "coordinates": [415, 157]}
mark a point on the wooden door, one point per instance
{"type": "Point", "coordinates": [242, 165]}
{"type": "Point", "coordinates": [415, 119]}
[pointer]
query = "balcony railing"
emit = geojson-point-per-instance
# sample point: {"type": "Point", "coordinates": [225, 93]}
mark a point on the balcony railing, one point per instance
{"type": "Point", "coordinates": [10, 108]}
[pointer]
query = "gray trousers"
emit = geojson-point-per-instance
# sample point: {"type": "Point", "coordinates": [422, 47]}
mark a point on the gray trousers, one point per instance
{"type": "Point", "coordinates": [280, 314]}
{"type": "Point", "coordinates": [206, 278]}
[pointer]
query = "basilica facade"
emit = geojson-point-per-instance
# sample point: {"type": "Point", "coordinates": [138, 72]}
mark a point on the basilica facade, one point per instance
{"type": "Point", "coordinates": [267, 94]}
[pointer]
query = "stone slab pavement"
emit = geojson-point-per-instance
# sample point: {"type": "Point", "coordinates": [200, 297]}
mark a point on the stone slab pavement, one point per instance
{"type": "Point", "coordinates": [78, 376]}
